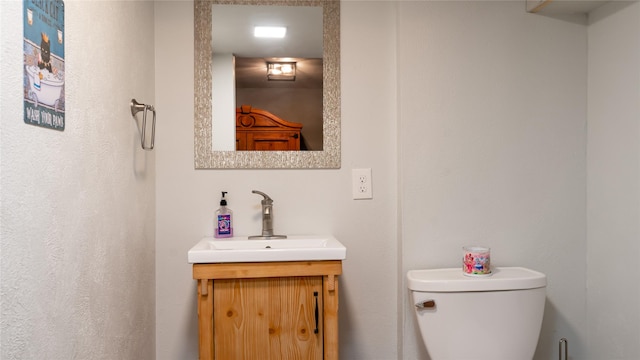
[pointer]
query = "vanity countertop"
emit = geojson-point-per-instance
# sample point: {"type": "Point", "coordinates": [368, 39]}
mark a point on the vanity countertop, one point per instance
{"type": "Point", "coordinates": [243, 249]}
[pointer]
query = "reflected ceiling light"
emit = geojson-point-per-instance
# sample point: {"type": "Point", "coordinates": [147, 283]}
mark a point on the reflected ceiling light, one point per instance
{"type": "Point", "coordinates": [269, 31]}
{"type": "Point", "coordinates": [281, 71]}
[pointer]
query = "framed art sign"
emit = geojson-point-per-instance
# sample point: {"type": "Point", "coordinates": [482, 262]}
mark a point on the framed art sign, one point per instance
{"type": "Point", "coordinates": [44, 72]}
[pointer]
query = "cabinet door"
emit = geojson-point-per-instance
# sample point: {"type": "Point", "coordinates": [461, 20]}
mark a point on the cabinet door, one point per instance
{"type": "Point", "coordinates": [268, 318]}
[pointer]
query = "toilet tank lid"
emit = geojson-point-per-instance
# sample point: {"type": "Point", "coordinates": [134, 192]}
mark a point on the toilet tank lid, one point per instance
{"type": "Point", "coordinates": [453, 280]}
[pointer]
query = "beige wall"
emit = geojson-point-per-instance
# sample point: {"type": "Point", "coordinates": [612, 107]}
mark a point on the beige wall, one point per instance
{"type": "Point", "coordinates": [613, 177]}
{"type": "Point", "coordinates": [78, 207]}
{"type": "Point", "coordinates": [472, 116]}
{"type": "Point", "coordinates": [492, 127]}
{"type": "Point", "coordinates": [305, 201]}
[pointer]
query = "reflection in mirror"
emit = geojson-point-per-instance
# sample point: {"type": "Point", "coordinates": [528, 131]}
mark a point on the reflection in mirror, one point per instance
{"type": "Point", "coordinates": [280, 74]}
{"type": "Point", "coordinates": [326, 150]}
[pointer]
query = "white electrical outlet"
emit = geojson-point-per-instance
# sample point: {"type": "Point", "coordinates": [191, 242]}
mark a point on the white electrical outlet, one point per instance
{"type": "Point", "coordinates": [361, 184]}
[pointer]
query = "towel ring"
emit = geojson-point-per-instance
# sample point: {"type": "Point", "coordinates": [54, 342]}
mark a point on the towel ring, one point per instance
{"type": "Point", "coordinates": [136, 107]}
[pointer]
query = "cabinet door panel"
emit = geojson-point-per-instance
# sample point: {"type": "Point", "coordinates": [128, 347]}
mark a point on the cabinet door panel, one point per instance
{"type": "Point", "coordinates": [268, 318]}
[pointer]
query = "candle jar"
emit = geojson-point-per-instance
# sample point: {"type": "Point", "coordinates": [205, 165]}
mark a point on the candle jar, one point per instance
{"type": "Point", "coordinates": [476, 261]}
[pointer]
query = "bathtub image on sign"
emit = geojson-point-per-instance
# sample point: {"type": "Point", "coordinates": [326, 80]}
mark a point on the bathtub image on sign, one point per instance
{"type": "Point", "coordinates": [44, 67]}
{"type": "Point", "coordinates": [45, 88]}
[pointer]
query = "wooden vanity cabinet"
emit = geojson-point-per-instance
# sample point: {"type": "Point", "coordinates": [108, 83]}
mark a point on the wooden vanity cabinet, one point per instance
{"type": "Point", "coordinates": [271, 310]}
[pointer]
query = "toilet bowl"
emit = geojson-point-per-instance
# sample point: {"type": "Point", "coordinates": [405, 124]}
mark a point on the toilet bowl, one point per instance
{"type": "Point", "coordinates": [486, 318]}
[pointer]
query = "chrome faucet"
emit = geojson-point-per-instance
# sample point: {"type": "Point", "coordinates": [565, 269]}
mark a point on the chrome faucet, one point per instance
{"type": "Point", "coordinates": [267, 218]}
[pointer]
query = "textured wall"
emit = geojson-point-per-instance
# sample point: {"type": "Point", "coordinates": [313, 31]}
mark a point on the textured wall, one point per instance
{"type": "Point", "coordinates": [78, 207]}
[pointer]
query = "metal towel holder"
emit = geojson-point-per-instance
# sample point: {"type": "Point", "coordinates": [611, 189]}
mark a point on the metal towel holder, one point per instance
{"type": "Point", "coordinates": [136, 107]}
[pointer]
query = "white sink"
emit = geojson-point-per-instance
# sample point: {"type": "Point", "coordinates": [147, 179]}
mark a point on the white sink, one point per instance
{"type": "Point", "coordinates": [241, 249]}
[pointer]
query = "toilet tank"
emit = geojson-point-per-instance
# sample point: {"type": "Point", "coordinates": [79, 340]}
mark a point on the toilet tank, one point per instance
{"type": "Point", "coordinates": [494, 318]}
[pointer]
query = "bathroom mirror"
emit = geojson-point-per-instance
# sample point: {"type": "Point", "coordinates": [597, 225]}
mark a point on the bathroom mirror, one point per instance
{"type": "Point", "coordinates": [205, 156]}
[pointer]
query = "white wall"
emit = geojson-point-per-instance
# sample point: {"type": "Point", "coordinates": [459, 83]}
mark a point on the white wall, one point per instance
{"type": "Point", "coordinates": [77, 207]}
{"type": "Point", "coordinates": [614, 182]}
{"type": "Point", "coordinates": [492, 107]}
{"type": "Point", "coordinates": [305, 201]}
{"type": "Point", "coordinates": [223, 110]}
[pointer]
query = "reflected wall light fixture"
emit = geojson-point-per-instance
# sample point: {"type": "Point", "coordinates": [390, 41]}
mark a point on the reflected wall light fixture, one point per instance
{"type": "Point", "coordinates": [282, 71]}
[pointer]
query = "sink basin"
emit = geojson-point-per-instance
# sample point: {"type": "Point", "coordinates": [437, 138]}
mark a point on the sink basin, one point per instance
{"type": "Point", "coordinates": [241, 249]}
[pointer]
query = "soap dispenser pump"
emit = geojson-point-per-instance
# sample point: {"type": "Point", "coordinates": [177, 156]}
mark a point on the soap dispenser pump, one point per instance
{"type": "Point", "coordinates": [224, 219]}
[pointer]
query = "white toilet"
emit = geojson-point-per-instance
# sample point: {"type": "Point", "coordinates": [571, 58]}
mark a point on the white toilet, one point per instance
{"type": "Point", "coordinates": [495, 317]}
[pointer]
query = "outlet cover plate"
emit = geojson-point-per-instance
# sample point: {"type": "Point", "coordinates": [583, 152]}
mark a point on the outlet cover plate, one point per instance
{"type": "Point", "coordinates": [361, 184]}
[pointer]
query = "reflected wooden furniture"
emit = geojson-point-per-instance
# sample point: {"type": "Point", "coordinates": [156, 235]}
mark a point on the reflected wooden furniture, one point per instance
{"type": "Point", "coordinates": [258, 129]}
{"type": "Point", "coordinates": [269, 310]}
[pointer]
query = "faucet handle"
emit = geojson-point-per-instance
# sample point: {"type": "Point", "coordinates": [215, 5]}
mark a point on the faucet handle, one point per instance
{"type": "Point", "coordinates": [266, 199]}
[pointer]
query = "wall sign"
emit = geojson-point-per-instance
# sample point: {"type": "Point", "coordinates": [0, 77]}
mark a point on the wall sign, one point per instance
{"type": "Point", "coordinates": [44, 73]}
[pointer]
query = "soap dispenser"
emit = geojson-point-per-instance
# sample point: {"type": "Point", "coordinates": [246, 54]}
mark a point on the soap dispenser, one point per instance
{"type": "Point", "coordinates": [223, 220]}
